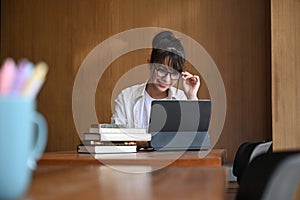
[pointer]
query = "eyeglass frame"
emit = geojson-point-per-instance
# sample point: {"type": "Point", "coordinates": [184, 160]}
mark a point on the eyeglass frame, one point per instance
{"type": "Point", "coordinates": [166, 72]}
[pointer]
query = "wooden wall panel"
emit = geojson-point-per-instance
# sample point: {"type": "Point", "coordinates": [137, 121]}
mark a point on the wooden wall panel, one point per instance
{"type": "Point", "coordinates": [285, 17]}
{"type": "Point", "coordinates": [235, 33]}
{"type": "Point", "coordinates": [285, 74]}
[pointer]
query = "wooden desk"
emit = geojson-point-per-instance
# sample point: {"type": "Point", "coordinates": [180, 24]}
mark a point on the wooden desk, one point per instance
{"type": "Point", "coordinates": [154, 158]}
{"type": "Point", "coordinates": [101, 182]}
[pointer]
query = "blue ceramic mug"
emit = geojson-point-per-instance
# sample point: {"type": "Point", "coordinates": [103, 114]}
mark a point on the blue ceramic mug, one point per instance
{"type": "Point", "coordinates": [23, 138]}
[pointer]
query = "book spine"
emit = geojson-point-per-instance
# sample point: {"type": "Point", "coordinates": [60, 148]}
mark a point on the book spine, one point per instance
{"type": "Point", "coordinates": [91, 136]}
{"type": "Point", "coordinates": [106, 149]}
{"type": "Point", "coordinates": [94, 130]}
{"type": "Point", "coordinates": [108, 126]}
{"type": "Point", "coordinates": [125, 137]}
{"type": "Point", "coordinates": [117, 130]}
{"type": "Point", "coordinates": [122, 130]}
{"type": "Point", "coordinates": [107, 143]}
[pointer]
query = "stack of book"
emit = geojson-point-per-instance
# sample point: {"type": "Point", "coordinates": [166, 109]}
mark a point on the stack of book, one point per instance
{"type": "Point", "coordinates": [112, 138]}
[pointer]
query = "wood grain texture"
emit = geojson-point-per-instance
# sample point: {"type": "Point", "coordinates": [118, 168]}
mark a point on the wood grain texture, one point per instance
{"type": "Point", "coordinates": [214, 158]}
{"type": "Point", "coordinates": [285, 26]}
{"type": "Point", "coordinates": [235, 33]}
{"type": "Point", "coordinates": [92, 182]}
{"type": "Point", "coordinates": [285, 74]}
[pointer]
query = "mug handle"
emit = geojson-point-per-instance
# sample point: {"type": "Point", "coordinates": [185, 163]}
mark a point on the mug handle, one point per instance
{"type": "Point", "coordinates": [40, 142]}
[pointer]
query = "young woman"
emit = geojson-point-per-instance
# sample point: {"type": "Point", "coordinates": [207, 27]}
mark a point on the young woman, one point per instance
{"type": "Point", "coordinates": [133, 104]}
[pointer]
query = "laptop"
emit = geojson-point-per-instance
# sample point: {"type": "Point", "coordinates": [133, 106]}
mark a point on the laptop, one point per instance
{"type": "Point", "coordinates": [180, 124]}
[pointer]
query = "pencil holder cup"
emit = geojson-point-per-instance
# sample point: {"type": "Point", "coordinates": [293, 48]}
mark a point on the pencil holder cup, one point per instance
{"type": "Point", "coordinates": [23, 138]}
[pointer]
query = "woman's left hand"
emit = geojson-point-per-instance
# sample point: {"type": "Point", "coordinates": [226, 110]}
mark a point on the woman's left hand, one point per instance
{"type": "Point", "coordinates": [191, 84]}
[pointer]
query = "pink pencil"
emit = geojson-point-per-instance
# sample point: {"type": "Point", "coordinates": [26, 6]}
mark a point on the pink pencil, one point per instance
{"type": "Point", "coordinates": [7, 76]}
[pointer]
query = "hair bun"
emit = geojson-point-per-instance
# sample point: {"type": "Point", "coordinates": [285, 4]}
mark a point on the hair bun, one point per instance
{"type": "Point", "coordinates": [162, 38]}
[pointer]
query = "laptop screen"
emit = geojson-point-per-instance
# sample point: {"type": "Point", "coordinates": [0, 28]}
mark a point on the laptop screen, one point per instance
{"type": "Point", "coordinates": [179, 116]}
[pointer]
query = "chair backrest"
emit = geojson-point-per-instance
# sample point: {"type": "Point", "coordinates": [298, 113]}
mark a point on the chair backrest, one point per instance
{"type": "Point", "coordinates": [246, 152]}
{"type": "Point", "coordinates": [272, 176]}
{"type": "Point", "coordinates": [261, 148]}
{"type": "Point", "coordinates": [284, 180]}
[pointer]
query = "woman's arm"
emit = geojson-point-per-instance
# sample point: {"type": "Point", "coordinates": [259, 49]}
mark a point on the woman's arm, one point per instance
{"type": "Point", "coordinates": [119, 115]}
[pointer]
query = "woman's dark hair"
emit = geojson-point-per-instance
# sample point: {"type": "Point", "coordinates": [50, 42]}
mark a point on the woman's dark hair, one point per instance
{"type": "Point", "coordinates": [165, 45]}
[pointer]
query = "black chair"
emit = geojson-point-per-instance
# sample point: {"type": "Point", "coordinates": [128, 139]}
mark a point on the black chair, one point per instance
{"type": "Point", "coordinates": [246, 152]}
{"type": "Point", "coordinates": [271, 176]}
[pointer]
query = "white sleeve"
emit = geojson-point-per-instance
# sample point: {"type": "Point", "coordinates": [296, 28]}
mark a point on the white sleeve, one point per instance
{"type": "Point", "coordinates": [119, 115]}
{"type": "Point", "coordinates": [180, 95]}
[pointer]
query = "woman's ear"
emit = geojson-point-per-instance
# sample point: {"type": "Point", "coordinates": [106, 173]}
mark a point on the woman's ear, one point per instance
{"type": "Point", "coordinates": [148, 60]}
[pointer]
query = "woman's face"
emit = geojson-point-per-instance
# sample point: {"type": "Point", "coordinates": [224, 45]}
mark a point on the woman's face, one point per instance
{"type": "Point", "coordinates": [163, 76]}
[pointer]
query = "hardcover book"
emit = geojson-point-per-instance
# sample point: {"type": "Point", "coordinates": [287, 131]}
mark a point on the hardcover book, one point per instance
{"type": "Point", "coordinates": [98, 149]}
{"type": "Point", "coordinates": [118, 136]}
{"type": "Point", "coordinates": [114, 128]}
{"type": "Point", "coordinates": [107, 143]}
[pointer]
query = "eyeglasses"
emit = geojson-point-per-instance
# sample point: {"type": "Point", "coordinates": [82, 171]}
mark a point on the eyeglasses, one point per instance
{"type": "Point", "coordinates": [163, 72]}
